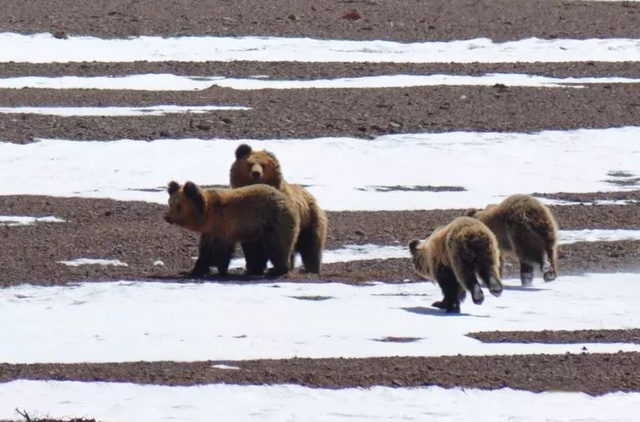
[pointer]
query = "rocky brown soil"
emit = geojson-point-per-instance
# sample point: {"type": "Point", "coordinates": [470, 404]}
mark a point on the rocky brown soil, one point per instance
{"type": "Point", "coordinates": [135, 233]}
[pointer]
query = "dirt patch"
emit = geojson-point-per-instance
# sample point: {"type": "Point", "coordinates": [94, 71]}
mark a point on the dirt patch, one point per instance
{"type": "Point", "coordinates": [306, 71]}
{"type": "Point", "coordinates": [414, 188]}
{"type": "Point", "coordinates": [312, 298]}
{"type": "Point", "coordinates": [556, 337]}
{"type": "Point", "coordinates": [135, 233]}
{"type": "Point", "coordinates": [310, 113]}
{"type": "Point", "coordinates": [590, 373]}
{"type": "Point", "coordinates": [404, 20]}
{"type": "Point", "coordinates": [593, 197]}
{"type": "Point", "coordinates": [398, 339]}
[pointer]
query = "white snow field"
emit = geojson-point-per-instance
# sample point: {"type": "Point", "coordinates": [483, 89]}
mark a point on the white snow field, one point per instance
{"type": "Point", "coordinates": [44, 48]}
{"type": "Point", "coordinates": [116, 111]}
{"type": "Point", "coordinates": [134, 321]}
{"type": "Point", "coordinates": [365, 174]}
{"type": "Point", "coordinates": [117, 402]}
{"type": "Point", "coordinates": [169, 82]}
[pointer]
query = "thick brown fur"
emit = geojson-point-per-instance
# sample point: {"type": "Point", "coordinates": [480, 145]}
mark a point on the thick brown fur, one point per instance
{"type": "Point", "coordinates": [262, 167]}
{"type": "Point", "coordinates": [259, 214]}
{"type": "Point", "coordinates": [527, 231]}
{"type": "Point", "coordinates": [453, 255]}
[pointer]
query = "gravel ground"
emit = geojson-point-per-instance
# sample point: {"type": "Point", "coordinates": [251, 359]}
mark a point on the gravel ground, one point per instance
{"type": "Point", "coordinates": [326, 112]}
{"type": "Point", "coordinates": [399, 20]}
{"type": "Point", "coordinates": [135, 233]}
{"type": "Point", "coordinates": [590, 373]}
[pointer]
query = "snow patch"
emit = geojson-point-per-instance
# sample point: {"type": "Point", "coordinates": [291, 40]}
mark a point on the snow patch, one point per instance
{"type": "Point", "coordinates": [11, 220]}
{"type": "Point", "coordinates": [45, 48]}
{"type": "Point", "coordinates": [91, 261]}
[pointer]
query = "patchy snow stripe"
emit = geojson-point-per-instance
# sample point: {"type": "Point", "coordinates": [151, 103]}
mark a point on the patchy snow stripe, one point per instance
{"type": "Point", "coordinates": [168, 82]}
{"type": "Point", "coordinates": [11, 220]}
{"type": "Point", "coordinates": [45, 48]}
{"type": "Point", "coordinates": [92, 261]}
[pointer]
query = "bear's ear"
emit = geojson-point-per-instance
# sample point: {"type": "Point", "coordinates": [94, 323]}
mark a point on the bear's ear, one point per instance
{"type": "Point", "coordinates": [242, 151]}
{"type": "Point", "coordinates": [194, 193]}
{"type": "Point", "coordinates": [173, 187]}
{"type": "Point", "coordinates": [471, 212]}
{"type": "Point", "coordinates": [413, 246]}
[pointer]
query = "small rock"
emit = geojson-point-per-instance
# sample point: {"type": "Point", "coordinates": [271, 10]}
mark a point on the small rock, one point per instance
{"type": "Point", "coordinates": [204, 125]}
{"type": "Point", "coordinates": [61, 35]}
{"type": "Point", "coordinates": [352, 14]}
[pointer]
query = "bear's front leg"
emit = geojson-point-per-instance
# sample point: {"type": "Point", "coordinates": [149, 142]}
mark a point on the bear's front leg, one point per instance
{"type": "Point", "coordinates": [451, 290]}
{"type": "Point", "coordinates": [255, 258]}
{"type": "Point", "coordinates": [201, 268]}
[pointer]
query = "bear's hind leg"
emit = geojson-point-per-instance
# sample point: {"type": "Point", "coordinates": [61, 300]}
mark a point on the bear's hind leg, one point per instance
{"type": "Point", "coordinates": [310, 246]}
{"type": "Point", "coordinates": [491, 280]}
{"type": "Point", "coordinates": [278, 245]}
{"type": "Point", "coordinates": [466, 275]}
{"type": "Point", "coordinates": [548, 266]}
{"type": "Point", "coordinates": [528, 247]}
{"type": "Point", "coordinates": [526, 274]}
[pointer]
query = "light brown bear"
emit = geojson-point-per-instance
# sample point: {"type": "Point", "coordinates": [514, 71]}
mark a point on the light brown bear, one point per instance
{"type": "Point", "coordinates": [262, 167]}
{"type": "Point", "coordinates": [527, 231]}
{"type": "Point", "coordinates": [453, 255]}
{"type": "Point", "coordinates": [260, 214]}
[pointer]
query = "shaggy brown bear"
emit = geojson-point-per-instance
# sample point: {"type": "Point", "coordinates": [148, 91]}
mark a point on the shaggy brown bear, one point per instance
{"type": "Point", "coordinates": [453, 255]}
{"type": "Point", "coordinates": [259, 214]}
{"type": "Point", "coordinates": [527, 231]}
{"type": "Point", "coordinates": [262, 167]}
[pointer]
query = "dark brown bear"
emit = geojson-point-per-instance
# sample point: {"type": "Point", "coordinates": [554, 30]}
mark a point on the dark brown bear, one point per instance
{"type": "Point", "coordinates": [262, 167]}
{"type": "Point", "coordinates": [527, 231]}
{"type": "Point", "coordinates": [259, 214]}
{"type": "Point", "coordinates": [453, 255]}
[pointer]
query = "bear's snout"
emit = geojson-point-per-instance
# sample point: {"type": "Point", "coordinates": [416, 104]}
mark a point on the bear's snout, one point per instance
{"type": "Point", "coordinates": [167, 218]}
{"type": "Point", "coordinates": [256, 172]}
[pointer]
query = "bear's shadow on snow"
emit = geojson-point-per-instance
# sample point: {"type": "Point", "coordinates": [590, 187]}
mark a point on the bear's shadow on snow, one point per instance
{"type": "Point", "coordinates": [214, 278]}
{"type": "Point", "coordinates": [421, 310]}
{"type": "Point", "coordinates": [522, 289]}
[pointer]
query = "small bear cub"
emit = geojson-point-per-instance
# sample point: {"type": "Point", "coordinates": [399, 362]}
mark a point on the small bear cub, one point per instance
{"type": "Point", "coordinates": [453, 256]}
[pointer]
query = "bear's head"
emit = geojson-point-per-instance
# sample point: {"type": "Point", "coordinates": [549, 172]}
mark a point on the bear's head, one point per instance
{"type": "Point", "coordinates": [186, 206]}
{"type": "Point", "coordinates": [480, 214]}
{"type": "Point", "coordinates": [253, 167]}
{"type": "Point", "coordinates": [418, 255]}
{"type": "Point", "coordinates": [422, 258]}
